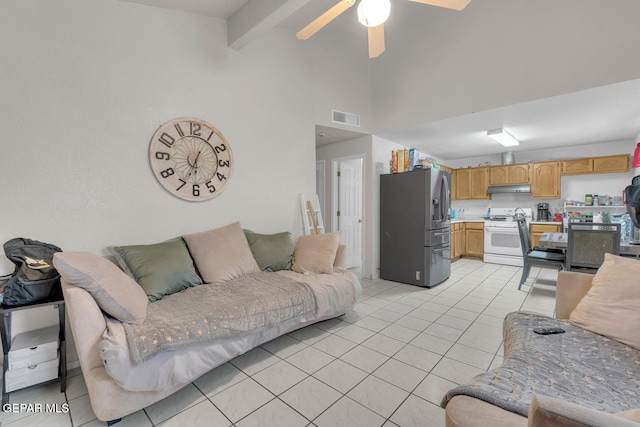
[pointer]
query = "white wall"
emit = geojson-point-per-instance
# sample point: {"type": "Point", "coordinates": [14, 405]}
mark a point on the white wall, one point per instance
{"type": "Point", "coordinates": [84, 85]}
{"type": "Point", "coordinates": [497, 53]}
{"type": "Point", "coordinates": [342, 81]}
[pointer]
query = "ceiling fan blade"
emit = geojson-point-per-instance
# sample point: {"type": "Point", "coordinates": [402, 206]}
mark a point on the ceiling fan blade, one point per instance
{"type": "Point", "coordinates": [324, 19]}
{"type": "Point", "coordinates": [376, 40]}
{"type": "Point", "coordinates": [449, 4]}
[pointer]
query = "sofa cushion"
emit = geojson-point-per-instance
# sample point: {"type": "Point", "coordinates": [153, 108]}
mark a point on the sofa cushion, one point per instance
{"type": "Point", "coordinates": [161, 269]}
{"type": "Point", "coordinates": [116, 294]}
{"type": "Point", "coordinates": [222, 254]}
{"type": "Point", "coordinates": [271, 251]}
{"type": "Point", "coordinates": [316, 253]}
{"type": "Point", "coordinates": [612, 305]}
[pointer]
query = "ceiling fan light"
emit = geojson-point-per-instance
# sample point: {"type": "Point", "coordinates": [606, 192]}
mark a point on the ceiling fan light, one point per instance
{"type": "Point", "coordinates": [372, 13]}
{"type": "Point", "coordinates": [503, 137]}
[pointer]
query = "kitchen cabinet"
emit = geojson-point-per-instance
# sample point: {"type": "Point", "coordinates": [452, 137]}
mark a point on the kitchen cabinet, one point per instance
{"type": "Point", "coordinates": [479, 183]}
{"type": "Point", "coordinates": [509, 174]}
{"type": "Point", "coordinates": [457, 240]}
{"type": "Point", "coordinates": [471, 183]}
{"type": "Point", "coordinates": [474, 239]}
{"type": "Point", "coordinates": [610, 164]}
{"type": "Point", "coordinates": [545, 180]}
{"type": "Point", "coordinates": [454, 185]}
{"type": "Point", "coordinates": [577, 166]}
{"type": "Point", "coordinates": [604, 164]}
{"type": "Point", "coordinates": [536, 231]}
{"type": "Point", "coordinates": [463, 184]}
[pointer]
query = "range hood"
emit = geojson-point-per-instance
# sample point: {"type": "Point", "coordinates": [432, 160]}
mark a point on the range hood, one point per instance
{"type": "Point", "coordinates": [498, 189]}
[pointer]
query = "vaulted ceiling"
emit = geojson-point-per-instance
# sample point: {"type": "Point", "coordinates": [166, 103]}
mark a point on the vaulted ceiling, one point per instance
{"type": "Point", "coordinates": [607, 113]}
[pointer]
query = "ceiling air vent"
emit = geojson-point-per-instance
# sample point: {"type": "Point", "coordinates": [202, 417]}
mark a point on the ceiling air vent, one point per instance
{"type": "Point", "coordinates": [346, 118]}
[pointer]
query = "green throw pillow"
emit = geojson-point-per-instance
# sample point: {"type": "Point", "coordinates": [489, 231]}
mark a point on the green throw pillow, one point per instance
{"type": "Point", "coordinates": [271, 251]}
{"type": "Point", "coordinates": [161, 269]}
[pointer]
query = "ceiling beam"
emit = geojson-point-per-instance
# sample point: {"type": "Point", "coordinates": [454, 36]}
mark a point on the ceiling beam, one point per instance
{"type": "Point", "coordinates": [257, 17]}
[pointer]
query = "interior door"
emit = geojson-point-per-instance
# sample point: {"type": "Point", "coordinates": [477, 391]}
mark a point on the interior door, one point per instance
{"type": "Point", "coordinates": [350, 190]}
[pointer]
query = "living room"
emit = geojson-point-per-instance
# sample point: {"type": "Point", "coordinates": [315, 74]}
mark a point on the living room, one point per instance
{"type": "Point", "coordinates": [86, 84]}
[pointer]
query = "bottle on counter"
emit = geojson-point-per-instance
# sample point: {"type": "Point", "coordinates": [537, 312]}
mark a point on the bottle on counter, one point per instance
{"type": "Point", "coordinates": [588, 200]}
{"type": "Point", "coordinates": [596, 200]}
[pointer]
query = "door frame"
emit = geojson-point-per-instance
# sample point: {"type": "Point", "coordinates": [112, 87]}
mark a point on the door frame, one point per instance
{"type": "Point", "coordinates": [335, 200]}
{"type": "Point", "coordinates": [320, 186]}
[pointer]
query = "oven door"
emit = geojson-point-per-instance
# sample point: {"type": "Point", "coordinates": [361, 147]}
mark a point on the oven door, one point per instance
{"type": "Point", "coordinates": [502, 241]}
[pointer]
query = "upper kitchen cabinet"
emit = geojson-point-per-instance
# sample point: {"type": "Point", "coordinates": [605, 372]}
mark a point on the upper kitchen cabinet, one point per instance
{"type": "Point", "coordinates": [509, 174]}
{"type": "Point", "coordinates": [479, 183]}
{"type": "Point", "coordinates": [577, 166]}
{"type": "Point", "coordinates": [545, 180]}
{"type": "Point", "coordinates": [462, 185]}
{"type": "Point", "coordinates": [606, 164]}
{"type": "Point", "coordinates": [471, 183]}
{"type": "Point", "coordinates": [609, 164]}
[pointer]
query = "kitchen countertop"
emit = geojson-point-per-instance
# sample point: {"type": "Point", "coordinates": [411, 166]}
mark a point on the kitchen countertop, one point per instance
{"type": "Point", "coordinates": [478, 219]}
{"type": "Point", "coordinates": [470, 219]}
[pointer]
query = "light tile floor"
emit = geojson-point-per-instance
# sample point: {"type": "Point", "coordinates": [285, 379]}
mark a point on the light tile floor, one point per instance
{"type": "Point", "coordinates": [386, 363]}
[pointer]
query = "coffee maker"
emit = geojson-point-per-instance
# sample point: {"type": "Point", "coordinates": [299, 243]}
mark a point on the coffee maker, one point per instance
{"type": "Point", "coordinates": [543, 212]}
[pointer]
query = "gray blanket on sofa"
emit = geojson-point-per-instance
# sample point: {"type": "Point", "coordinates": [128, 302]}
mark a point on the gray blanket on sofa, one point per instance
{"type": "Point", "coordinates": [204, 313]}
{"type": "Point", "coordinates": [578, 367]}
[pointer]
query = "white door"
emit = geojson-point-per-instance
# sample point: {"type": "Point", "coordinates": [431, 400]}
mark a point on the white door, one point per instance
{"type": "Point", "coordinates": [349, 210]}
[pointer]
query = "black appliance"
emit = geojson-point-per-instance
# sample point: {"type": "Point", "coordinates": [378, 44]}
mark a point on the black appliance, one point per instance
{"type": "Point", "coordinates": [543, 212]}
{"type": "Point", "coordinates": [415, 227]}
{"type": "Point", "coordinates": [632, 198]}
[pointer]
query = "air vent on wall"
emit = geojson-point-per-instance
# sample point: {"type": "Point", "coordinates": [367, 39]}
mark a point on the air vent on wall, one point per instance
{"type": "Point", "coordinates": [346, 118]}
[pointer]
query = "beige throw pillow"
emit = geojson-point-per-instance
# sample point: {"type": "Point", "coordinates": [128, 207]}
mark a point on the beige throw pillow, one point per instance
{"type": "Point", "coordinates": [221, 254]}
{"type": "Point", "coordinates": [316, 253]}
{"type": "Point", "coordinates": [116, 294]}
{"type": "Point", "coordinates": [612, 305]}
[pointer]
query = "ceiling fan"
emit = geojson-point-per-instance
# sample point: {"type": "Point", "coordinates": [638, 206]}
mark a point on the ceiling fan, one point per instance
{"type": "Point", "coordinates": [372, 14]}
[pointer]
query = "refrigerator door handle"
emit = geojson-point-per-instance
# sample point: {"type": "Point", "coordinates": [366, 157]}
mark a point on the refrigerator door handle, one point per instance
{"type": "Point", "coordinates": [447, 191]}
{"type": "Point", "coordinates": [441, 249]}
{"type": "Point", "coordinates": [436, 206]}
{"type": "Point", "coordinates": [445, 233]}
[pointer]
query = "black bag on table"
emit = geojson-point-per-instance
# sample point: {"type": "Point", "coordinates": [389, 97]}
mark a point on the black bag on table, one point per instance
{"type": "Point", "coordinates": [34, 278]}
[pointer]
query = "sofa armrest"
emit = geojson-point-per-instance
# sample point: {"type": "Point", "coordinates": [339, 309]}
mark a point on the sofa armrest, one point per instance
{"type": "Point", "coordinates": [87, 325]}
{"type": "Point", "coordinates": [571, 288]}
{"type": "Point", "coordinates": [546, 411]}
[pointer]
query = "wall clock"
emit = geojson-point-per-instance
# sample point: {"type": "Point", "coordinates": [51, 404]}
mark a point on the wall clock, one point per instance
{"type": "Point", "coordinates": [191, 159]}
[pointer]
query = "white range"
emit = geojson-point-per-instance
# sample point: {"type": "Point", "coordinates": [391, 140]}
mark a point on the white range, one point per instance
{"type": "Point", "coordinates": [501, 236]}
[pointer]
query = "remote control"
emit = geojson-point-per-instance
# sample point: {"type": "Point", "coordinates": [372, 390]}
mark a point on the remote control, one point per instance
{"type": "Point", "coordinates": [548, 331]}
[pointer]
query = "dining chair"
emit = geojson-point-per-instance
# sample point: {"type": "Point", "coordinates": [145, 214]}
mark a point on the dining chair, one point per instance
{"type": "Point", "coordinates": [538, 257]}
{"type": "Point", "coordinates": [587, 242]}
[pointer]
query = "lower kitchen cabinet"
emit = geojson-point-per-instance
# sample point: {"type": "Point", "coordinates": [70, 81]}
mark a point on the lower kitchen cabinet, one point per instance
{"type": "Point", "coordinates": [474, 239]}
{"type": "Point", "coordinates": [457, 240]}
{"type": "Point", "coordinates": [536, 231]}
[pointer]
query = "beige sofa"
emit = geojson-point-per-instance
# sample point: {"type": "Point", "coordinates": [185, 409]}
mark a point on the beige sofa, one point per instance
{"type": "Point", "coordinates": [335, 292]}
{"type": "Point", "coordinates": [463, 410]}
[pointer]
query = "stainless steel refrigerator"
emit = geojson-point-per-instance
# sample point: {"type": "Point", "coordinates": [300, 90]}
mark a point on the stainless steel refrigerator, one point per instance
{"type": "Point", "coordinates": [415, 227]}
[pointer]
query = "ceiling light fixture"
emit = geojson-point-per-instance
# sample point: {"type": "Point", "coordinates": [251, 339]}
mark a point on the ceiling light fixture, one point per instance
{"type": "Point", "coordinates": [372, 13]}
{"type": "Point", "coordinates": [503, 137]}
